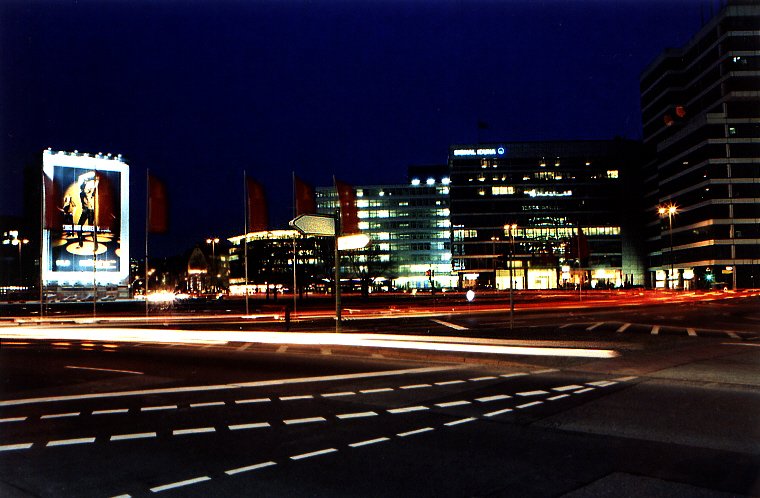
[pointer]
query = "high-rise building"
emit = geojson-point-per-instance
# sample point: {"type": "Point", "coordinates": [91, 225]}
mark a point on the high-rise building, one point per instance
{"type": "Point", "coordinates": [700, 109]}
{"type": "Point", "coordinates": [545, 214]}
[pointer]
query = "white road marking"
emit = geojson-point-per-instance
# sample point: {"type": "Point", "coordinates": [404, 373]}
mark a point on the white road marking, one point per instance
{"type": "Point", "coordinates": [291, 398]}
{"type": "Point", "coordinates": [417, 431]}
{"type": "Point", "coordinates": [692, 332]}
{"type": "Point", "coordinates": [210, 403]}
{"type": "Point", "coordinates": [460, 421]}
{"type": "Point", "coordinates": [263, 383]}
{"type": "Point", "coordinates": [60, 415]}
{"type": "Point", "coordinates": [518, 374]}
{"type": "Point", "coordinates": [12, 419]}
{"type": "Point", "coordinates": [65, 442]}
{"type": "Point", "coordinates": [245, 346]}
{"type": "Point", "coordinates": [380, 390]}
{"type": "Point", "coordinates": [584, 390]}
{"type": "Point", "coordinates": [589, 329]}
{"type": "Point", "coordinates": [528, 405]}
{"type": "Point", "coordinates": [325, 351]}
{"type": "Point", "coordinates": [11, 447]}
{"type": "Point", "coordinates": [496, 397]}
{"type": "Point", "coordinates": [197, 430]}
{"type": "Point", "coordinates": [566, 325]}
{"type": "Point", "coordinates": [156, 408]}
{"type": "Point", "coordinates": [408, 409]}
{"type": "Point", "coordinates": [313, 454]}
{"type": "Point", "coordinates": [416, 386]}
{"type": "Point", "coordinates": [369, 441]}
{"type": "Point", "coordinates": [531, 393]}
{"type": "Point", "coordinates": [249, 467]}
{"type": "Point", "coordinates": [449, 382]}
{"type": "Point", "coordinates": [282, 349]}
{"type": "Point", "coordinates": [555, 398]}
{"type": "Point", "coordinates": [109, 412]}
{"type": "Point", "coordinates": [334, 395]}
{"type": "Point", "coordinates": [452, 403]}
{"type": "Point", "coordinates": [122, 496]}
{"type": "Point", "coordinates": [567, 388]}
{"type": "Point", "coordinates": [602, 383]}
{"type": "Point", "coordinates": [623, 327]}
{"type": "Point", "coordinates": [498, 412]}
{"type": "Point", "coordinates": [733, 335]}
{"type": "Point", "coordinates": [625, 379]}
{"type": "Point", "coordinates": [655, 330]}
{"type": "Point", "coordinates": [105, 370]}
{"type": "Point", "coordinates": [252, 400]}
{"type": "Point", "coordinates": [356, 415]}
{"type": "Point", "coordinates": [173, 485]}
{"type": "Point", "coordinates": [140, 435]}
{"type": "Point", "coordinates": [449, 324]}
{"type": "Point", "coordinates": [255, 425]}
{"type": "Point", "coordinates": [308, 420]}
{"type": "Point", "coordinates": [478, 379]}
{"type": "Point", "coordinates": [545, 371]}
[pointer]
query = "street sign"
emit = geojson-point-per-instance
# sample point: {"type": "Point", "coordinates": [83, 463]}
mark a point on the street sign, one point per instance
{"type": "Point", "coordinates": [314, 224]}
{"type": "Point", "coordinates": [351, 242]}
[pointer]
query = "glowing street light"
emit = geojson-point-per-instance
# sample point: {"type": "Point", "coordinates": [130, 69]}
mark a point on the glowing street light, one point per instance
{"type": "Point", "coordinates": [213, 241]}
{"type": "Point", "coordinates": [19, 242]}
{"type": "Point", "coordinates": [511, 230]}
{"type": "Point", "coordinates": [669, 210]}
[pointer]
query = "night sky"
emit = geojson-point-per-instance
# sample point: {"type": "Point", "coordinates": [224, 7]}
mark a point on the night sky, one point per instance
{"type": "Point", "coordinates": [199, 91]}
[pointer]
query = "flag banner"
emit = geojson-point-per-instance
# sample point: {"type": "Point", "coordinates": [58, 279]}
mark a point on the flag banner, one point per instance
{"type": "Point", "coordinates": [258, 219]}
{"type": "Point", "coordinates": [306, 202]}
{"type": "Point", "coordinates": [158, 206]}
{"type": "Point", "coordinates": [349, 217]}
{"type": "Point", "coordinates": [54, 214]}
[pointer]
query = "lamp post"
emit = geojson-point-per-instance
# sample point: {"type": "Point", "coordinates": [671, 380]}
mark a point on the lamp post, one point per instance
{"type": "Point", "coordinates": [213, 242]}
{"type": "Point", "coordinates": [19, 243]}
{"type": "Point", "coordinates": [511, 228]}
{"type": "Point", "coordinates": [670, 210]}
{"type": "Point", "coordinates": [493, 259]}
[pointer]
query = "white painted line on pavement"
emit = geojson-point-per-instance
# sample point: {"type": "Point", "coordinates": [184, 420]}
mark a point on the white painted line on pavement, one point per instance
{"type": "Point", "coordinates": [517, 374]}
{"type": "Point", "coordinates": [602, 383]}
{"type": "Point", "coordinates": [545, 371]}
{"type": "Point", "coordinates": [380, 390]}
{"type": "Point", "coordinates": [692, 332]}
{"type": "Point", "coordinates": [416, 386]}
{"type": "Point", "coordinates": [408, 409]}
{"type": "Point", "coordinates": [625, 379]}
{"type": "Point", "coordinates": [65, 442]}
{"type": "Point", "coordinates": [249, 468]}
{"type": "Point", "coordinates": [291, 398]}
{"type": "Point", "coordinates": [498, 412]}
{"type": "Point", "coordinates": [452, 403]}
{"type": "Point", "coordinates": [335, 395]}
{"type": "Point", "coordinates": [555, 398]}
{"type": "Point", "coordinates": [255, 425]}
{"type": "Point", "coordinates": [567, 388]}
{"type": "Point", "coordinates": [313, 454]}
{"type": "Point", "coordinates": [528, 405]}
{"type": "Point", "coordinates": [460, 421]}
{"type": "Point", "coordinates": [655, 330]}
{"type": "Point", "coordinates": [179, 484]}
{"type": "Point", "coordinates": [416, 431]}
{"type": "Point", "coordinates": [109, 412]}
{"type": "Point", "coordinates": [566, 325]}
{"type": "Point", "coordinates": [252, 400]}
{"type": "Point", "coordinates": [343, 416]}
{"type": "Point", "coordinates": [449, 324]}
{"type": "Point", "coordinates": [592, 327]}
{"type": "Point", "coordinates": [369, 441]}
{"type": "Point", "coordinates": [282, 349]}
{"type": "Point", "coordinates": [105, 370]}
{"type": "Point", "coordinates": [309, 420]}
{"type": "Point", "coordinates": [210, 403]}
{"type": "Point", "coordinates": [12, 419]}
{"type": "Point", "coordinates": [11, 447]}
{"type": "Point", "coordinates": [733, 335]}
{"type": "Point", "coordinates": [60, 415]}
{"type": "Point", "coordinates": [245, 346]}
{"type": "Point", "coordinates": [197, 430]}
{"type": "Point", "coordinates": [478, 379]}
{"type": "Point", "coordinates": [122, 496]}
{"type": "Point", "coordinates": [140, 435]}
{"type": "Point", "coordinates": [157, 408]}
{"type": "Point", "coordinates": [531, 393]}
{"type": "Point", "coordinates": [624, 327]}
{"type": "Point", "coordinates": [584, 390]}
{"type": "Point", "coordinates": [496, 397]}
{"type": "Point", "coordinates": [449, 382]}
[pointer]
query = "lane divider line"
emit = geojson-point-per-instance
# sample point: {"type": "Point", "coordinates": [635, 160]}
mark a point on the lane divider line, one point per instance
{"type": "Point", "coordinates": [110, 411]}
{"type": "Point", "coordinates": [335, 395]}
{"type": "Point", "coordinates": [450, 325]}
{"type": "Point", "coordinates": [460, 421]}
{"type": "Point", "coordinates": [209, 403]}
{"type": "Point", "coordinates": [572, 387]}
{"type": "Point", "coordinates": [12, 419]}
{"type": "Point", "coordinates": [449, 382]}
{"type": "Point", "coordinates": [309, 420]}
{"type": "Point", "coordinates": [416, 386]}
{"type": "Point", "coordinates": [497, 412]}
{"type": "Point", "coordinates": [12, 447]}
{"type": "Point", "coordinates": [140, 435]}
{"type": "Point", "coordinates": [293, 398]}
{"type": "Point", "coordinates": [532, 393]}
{"type": "Point", "coordinates": [105, 370]}
{"type": "Point", "coordinates": [373, 391]}
{"type": "Point", "coordinates": [528, 405]}
{"type": "Point", "coordinates": [369, 441]}
{"type": "Point", "coordinates": [416, 431]}
{"type": "Point", "coordinates": [452, 403]}
{"type": "Point", "coordinates": [252, 400]}
{"type": "Point", "coordinates": [179, 484]}
{"type": "Point", "coordinates": [344, 416]}
{"type": "Point", "coordinates": [408, 409]}
{"type": "Point", "coordinates": [254, 425]}
{"type": "Point", "coordinates": [495, 397]}
{"type": "Point", "coordinates": [479, 379]}
{"type": "Point", "coordinates": [555, 398]}
{"type": "Point", "coordinates": [158, 408]}
{"type": "Point", "coordinates": [59, 415]}
{"type": "Point", "coordinates": [197, 430]}
{"type": "Point", "coordinates": [249, 468]}
{"type": "Point", "coordinates": [623, 328]}
{"type": "Point", "coordinates": [66, 442]}
{"type": "Point", "coordinates": [584, 390]}
{"type": "Point", "coordinates": [313, 454]}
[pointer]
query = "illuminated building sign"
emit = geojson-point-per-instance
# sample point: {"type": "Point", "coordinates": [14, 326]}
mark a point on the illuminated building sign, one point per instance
{"type": "Point", "coordinates": [498, 151]}
{"type": "Point", "coordinates": [86, 220]}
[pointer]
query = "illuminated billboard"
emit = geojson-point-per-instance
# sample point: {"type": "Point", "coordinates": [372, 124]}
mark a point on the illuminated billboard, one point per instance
{"type": "Point", "coordinates": [85, 220]}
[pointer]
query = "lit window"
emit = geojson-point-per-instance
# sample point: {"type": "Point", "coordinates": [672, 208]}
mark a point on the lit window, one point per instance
{"type": "Point", "coordinates": [501, 190]}
{"type": "Point", "coordinates": [446, 180]}
{"type": "Point", "coordinates": [363, 225]}
{"type": "Point", "coordinates": [415, 181]}
{"type": "Point", "coordinates": [359, 192]}
{"type": "Point", "coordinates": [612, 173]}
{"type": "Point", "coordinates": [430, 181]}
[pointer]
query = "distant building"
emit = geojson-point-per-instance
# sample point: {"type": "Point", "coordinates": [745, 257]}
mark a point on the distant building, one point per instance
{"type": "Point", "coordinates": [559, 213]}
{"type": "Point", "coordinates": [409, 226]}
{"type": "Point", "coordinates": [701, 118]}
{"type": "Point", "coordinates": [18, 257]}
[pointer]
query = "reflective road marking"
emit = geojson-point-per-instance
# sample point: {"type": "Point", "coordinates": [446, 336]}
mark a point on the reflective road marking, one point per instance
{"type": "Point", "coordinates": [173, 485]}
{"type": "Point", "coordinates": [313, 454]}
{"type": "Point", "coordinates": [141, 435]}
{"type": "Point", "coordinates": [408, 409]}
{"type": "Point", "coordinates": [249, 467]}
{"type": "Point", "coordinates": [356, 415]}
{"type": "Point", "coordinates": [65, 442]}
{"type": "Point", "coordinates": [309, 420]}
{"type": "Point", "coordinates": [369, 441]}
{"type": "Point", "coordinates": [417, 431]}
{"type": "Point", "coordinates": [254, 425]}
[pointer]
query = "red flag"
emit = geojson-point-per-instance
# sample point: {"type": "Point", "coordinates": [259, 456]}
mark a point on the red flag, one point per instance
{"type": "Point", "coordinates": [258, 219]}
{"type": "Point", "coordinates": [305, 200]}
{"type": "Point", "coordinates": [53, 214]}
{"type": "Point", "coordinates": [158, 206]}
{"type": "Point", "coordinates": [349, 217]}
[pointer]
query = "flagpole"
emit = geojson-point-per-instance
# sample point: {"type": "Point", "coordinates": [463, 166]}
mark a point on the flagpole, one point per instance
{"type": "Point", "coordinates": [95, 244]}
{"type": "Point", "coordinates": [245, 238]}
{"type": "Point", "coordinates": [295, 250]}
{"type": "Point", "coordinates": [147, 220]}
{"type": "Point", "coordinates": [337, 259]}
{"type": "Point", "coordinates": [42, 242]}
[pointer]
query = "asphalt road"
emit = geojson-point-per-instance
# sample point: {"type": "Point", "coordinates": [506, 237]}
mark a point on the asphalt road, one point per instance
{"type": "Point", "coordinates": [673, 414]}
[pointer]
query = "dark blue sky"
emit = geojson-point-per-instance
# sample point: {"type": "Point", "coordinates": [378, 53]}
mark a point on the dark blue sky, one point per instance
{"type": "Point", "coordinates": [198, 91]}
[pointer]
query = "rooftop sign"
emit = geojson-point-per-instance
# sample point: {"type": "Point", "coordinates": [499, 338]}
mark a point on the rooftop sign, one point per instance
{"type": "Point", "coordinates": [487, 151]}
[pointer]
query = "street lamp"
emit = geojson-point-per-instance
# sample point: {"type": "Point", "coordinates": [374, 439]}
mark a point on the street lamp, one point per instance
{"type": "Point", "coordinates": [19, 243]}
{"type": "Point", "coordinates": [213, 242]}
{"type": "Point", "coordinates": [669, 210]}
{"type": "Point", "coordinates": [511, 228]}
